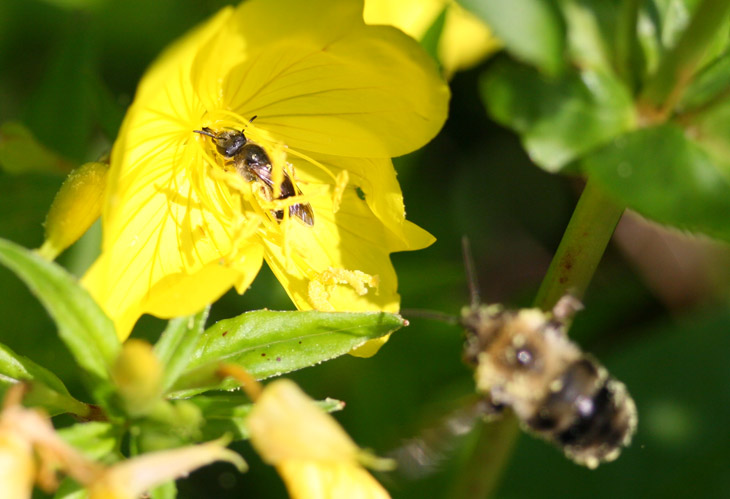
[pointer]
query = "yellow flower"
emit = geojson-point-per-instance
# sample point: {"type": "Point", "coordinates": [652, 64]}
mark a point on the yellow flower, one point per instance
{"type": "Point", "coordinates": [313, 454]}
{"type": "Point", "coordinates": [465, 40]}
{"type": "Point", "coordinates": [333, 101]}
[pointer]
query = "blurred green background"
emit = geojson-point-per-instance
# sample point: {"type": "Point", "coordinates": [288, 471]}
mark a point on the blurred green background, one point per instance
{"type": "Point", "coordinates": [69, 68]}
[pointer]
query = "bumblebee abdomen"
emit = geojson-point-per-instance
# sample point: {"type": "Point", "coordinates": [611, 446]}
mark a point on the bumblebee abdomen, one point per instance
{"type": "Point", "coordinates": [587, 413]}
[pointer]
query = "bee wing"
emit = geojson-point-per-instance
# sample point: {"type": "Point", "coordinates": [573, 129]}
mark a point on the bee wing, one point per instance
{"type": "Point", "coordinates": [303, 211]}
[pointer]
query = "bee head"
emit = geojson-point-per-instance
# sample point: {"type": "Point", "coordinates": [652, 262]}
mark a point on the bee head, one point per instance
{"type": "Point", "coordinates": [228, 142]}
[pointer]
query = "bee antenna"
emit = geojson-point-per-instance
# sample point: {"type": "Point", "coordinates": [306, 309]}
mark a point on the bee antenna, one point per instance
{"type": "Point", "coordinates": [471, 276]}
{"type": "Point", "coordinates": [254, 117]}
{"type": "Point", "coordinates": [430, 314]}
{"type": "Point", "coordinates": [205, 132]}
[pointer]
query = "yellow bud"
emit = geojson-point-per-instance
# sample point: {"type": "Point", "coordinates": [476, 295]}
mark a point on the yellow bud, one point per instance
{"type": "Point", "coordinates": [76, 206]}
{"type": "Point", "coordinates": [138, 376]}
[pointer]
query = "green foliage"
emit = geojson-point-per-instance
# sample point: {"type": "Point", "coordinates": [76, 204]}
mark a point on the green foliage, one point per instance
{"type": "Point", "coordinates": [271, 343]}
{"type": "Point", "coordinates": [665, 176]}
{"type": "Point", "coordinates": [635, 114]}
{"type": "Point", "coordinates": [177, 343]}
{"type": "Point", "coordinates": [45, 389]}
{"type": "Point", "coordinates": [87, 332]}
{"type": "Point", "coordinates": [561, 118]}
{"type": "Point", "coordinates": [532, 30]}
{"type": "Point", "coordinates": [623, 93]}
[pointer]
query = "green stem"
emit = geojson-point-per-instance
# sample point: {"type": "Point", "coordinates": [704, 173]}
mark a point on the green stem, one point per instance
{"type": "Point", "coordinates": [583, 244]}
{"type": "Point", "coordinates": [576, 259]}
{"type": "Point", "coordinates": [489, 456]}
{"type": "Point", "coordinates": [676, 69]}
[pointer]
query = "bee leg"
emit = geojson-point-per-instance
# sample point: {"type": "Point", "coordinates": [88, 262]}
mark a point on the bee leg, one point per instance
{"type": "Point", "coordinates": [566, 308]}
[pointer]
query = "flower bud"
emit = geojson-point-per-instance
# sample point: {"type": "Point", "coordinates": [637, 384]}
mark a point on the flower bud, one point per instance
{"type": "Point", "coordinates": [138, 376]}
{"type": "Point", "coordinates": [76, 206]}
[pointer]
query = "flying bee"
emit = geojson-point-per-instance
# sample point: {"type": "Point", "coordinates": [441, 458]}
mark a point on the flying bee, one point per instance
{"type": "Point", "coordinates": [253, 163]}
{"type": "Point", "coordinates": [523, 359]}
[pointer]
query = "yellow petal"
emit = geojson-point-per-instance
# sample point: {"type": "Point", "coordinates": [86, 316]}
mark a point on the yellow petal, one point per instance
{"type": "Point", "coordinates": [324, 480]}
{"type": "Point", "coordinates": [174, 295]}
{"type": "Point", "coordinates": [413, 17]}
{"type": "Point", "coordinates": [315, 76]}
{"type": "Point", "coordinates": [369, 225]}
{"type": "Point", "coordinates": [465, 39]}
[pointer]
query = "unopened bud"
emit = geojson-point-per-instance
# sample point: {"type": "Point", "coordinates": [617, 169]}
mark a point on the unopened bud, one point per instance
{"type": "Point", "coordinates": [76, 206]}
{"type": "Point", "coordinates": [138, 376]}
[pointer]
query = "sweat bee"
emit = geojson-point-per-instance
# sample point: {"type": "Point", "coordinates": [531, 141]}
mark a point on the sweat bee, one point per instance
{"type": "Point", "coordinates": [253, 163]}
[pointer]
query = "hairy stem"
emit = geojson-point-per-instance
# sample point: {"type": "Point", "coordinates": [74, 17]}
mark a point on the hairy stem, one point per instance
{"type": "Point", "coordinates": [571, 270]}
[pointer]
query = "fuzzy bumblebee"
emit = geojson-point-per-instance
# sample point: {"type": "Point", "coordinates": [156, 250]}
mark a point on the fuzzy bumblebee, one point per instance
{"type": "Point", "coordinates": [524, 360]}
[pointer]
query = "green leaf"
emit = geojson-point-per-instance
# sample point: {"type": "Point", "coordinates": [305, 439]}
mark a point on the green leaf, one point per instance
{"type": "Point", "coordinates": [591, 26]}
{"type": "Point", "coordinates": [268, 343]}
{"type": "Point", "coordinates": [96, 440]}
{"type": "Point", "coordinates": [46, 389]}
{"type": "Point", "coordinates": [177, 344]}
{"type": "Point", "coordinates": [558, 119]}
{"type": "Point", "coordinates": [21, 152]}
{"type": "Point", "coordinates": [711, 129]}
{"type": "Point", "coordinates": [227, 413]}
{"type": "Point", "coordinates": [712, 83]}
{"type": "Point", "coordinates": [531, 30]}
{"type": "Point", "coordinates": [82, 325]}
{"type": "Point", "coordinates": [666, 177]}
